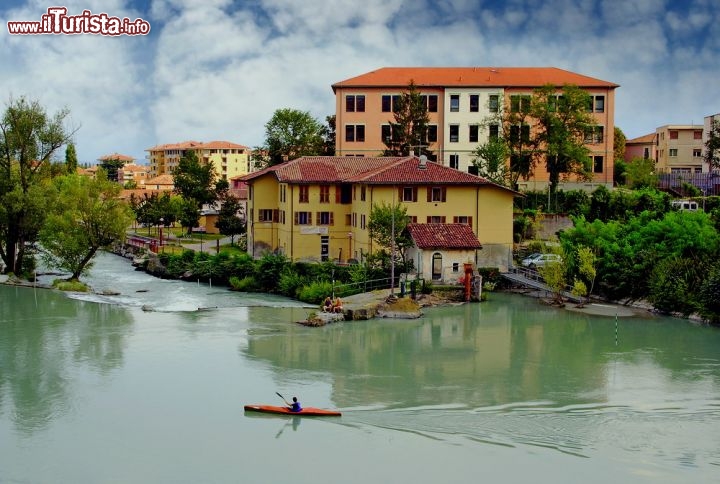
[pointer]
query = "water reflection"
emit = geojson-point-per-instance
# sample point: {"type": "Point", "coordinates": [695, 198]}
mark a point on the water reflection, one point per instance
{"type": "Point", "coordinates": [46, 339]}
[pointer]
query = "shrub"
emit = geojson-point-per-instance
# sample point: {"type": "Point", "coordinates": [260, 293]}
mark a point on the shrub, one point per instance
{"type": "Point", "coordinates": [246, 284]}
{"type": "Point", "coordinates": [315, 292]}
{"type": "Point", "coordinates": [290, 283]}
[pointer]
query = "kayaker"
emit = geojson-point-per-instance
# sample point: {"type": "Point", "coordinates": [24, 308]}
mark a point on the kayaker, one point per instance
{"type": "Point", "coordinates": [295, 407]}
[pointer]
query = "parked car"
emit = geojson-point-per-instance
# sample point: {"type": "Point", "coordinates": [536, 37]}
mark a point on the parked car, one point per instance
{"type": "Point", "coordinates": [539, 260]}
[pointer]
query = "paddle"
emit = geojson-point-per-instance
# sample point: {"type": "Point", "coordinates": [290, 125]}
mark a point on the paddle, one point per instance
{"type": "Point", "coordinates": [286, 402]}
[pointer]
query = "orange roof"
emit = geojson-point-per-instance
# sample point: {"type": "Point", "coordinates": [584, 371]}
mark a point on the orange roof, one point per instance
{"type": "Point", "coordinates": [160, 180]}
{"type": "Point", "coordinates": [648, 138]}
{"type": "Point", "coordinates": [371, 170]}
{"type": "Point", "coordinates": [198, 145]}
{"type": "Point", "coordinates": [137, 168]}
{"type": "Point", "coordinates": [443, 236]}
{"type": "Point", "coordinates": [117, 156]}
{"type": "Point", "coordinates": [471, 77]}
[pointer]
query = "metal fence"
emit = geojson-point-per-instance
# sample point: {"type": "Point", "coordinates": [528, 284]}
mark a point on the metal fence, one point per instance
{"type": "Point", "coordinates": [343, 290]}
{"type": "Point", "coordinates": [708, 183]}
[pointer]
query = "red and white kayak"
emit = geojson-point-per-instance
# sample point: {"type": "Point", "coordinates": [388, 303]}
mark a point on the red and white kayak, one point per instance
{"type": "Point", "coordinates": [306, 411]}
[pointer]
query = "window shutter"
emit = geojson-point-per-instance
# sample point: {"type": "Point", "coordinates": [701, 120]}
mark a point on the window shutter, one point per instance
{"type": "Point", "coordinates": [338, 193]}
{"type": "Point", "coordinates": [442, 219]}
{"type": "Point", "coordinates": [317, 214]}
{"type": "Point", "coordinates": [429, 194]}
{"type": "Point", "coordinates": [470, 221]}
{"type": "Point", "coordinates": [332, 221]}
{"type": "Point", "coordinates": [415, 190]}
{"type": "Point", "coordinates": [400, 194]}
{"type": "Point", "coordinates": [276, 215]}
{"type": "Point", "coordinates": [455, 219]}
{"type": "Point", "coordinates": [297, 218]}
{"type": "Point", "coordinates": [443, 192]}
{"type": "Point", "coordinates": [429, 219]}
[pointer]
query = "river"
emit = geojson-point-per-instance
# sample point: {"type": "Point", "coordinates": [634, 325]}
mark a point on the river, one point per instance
{"type": "Point", "coordinates": [148, 386]}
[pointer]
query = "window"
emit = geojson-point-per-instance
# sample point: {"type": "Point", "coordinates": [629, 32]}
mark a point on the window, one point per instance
{"type": "Point", "coordinates": [436, 194]}
{"type": "Point", "coordinates": [596, 104]}
{"type": "Point", "coordinates": [436, 219]}
{"type": "Point", "coordinates": [454, 133]}
{"type": "Point", "coordinates": [303, 218]}
{"type": "Point", "coordinates": [673, 152]}
{"type": "Point", "coordinates": [324, 193]}
{"type": "Point", "coordinates": [303, 194]}
{"type": "Point", "coordinates": [348, 219]}
{"type": "Point", "coordinates": [473, 135]}
{"type": "Point", "coordinates": [456, 267]}
{"type": "Point", "coordinates": [355, 103]}
{"type": "Point", "coordinates": [598, 162]}
{"type": "Point", "coordinates": [595, 134]}
{"type": "Point", "coordinates": [646, 153]}
{"type": "Point", "coordinates": [520, 133]}
{"type": "Point", "coordinates": [474, 103]}
{"type": "Point", "coordinates": [697, 153]}
{"type": "Point", "coordinates": [462, 219]}
{"type": "Point", "coordinates": [408, 194]}
{"type": "Point", "coordinates": [494, 103]}
{"type": "Point", "coordinates": [454, 103]}
{"type": "Point", "coordinates": [520, 103]}
{"type": "Point", "coordinates": [432, 105]}
{"type": "Point", "coordinates": [355, 132]}
{"type": "Point", "coordinates": [432, 133]}
{"type": "Point", "coordinates": [697, 134]}
{"type": "Point", "coordinates": [265, 215]}
{"type": "Point", "coordinates": [362, 193]}
{"type": "Point", "coordinates": [454, 161]}
{"type": "Point", "coordinates": [494, 131]}
{"type": "Point", "coordinates": [354, 219]}
{"type": "Point", "coordinates": [386, 133]}
{"type": "Point", "coordinates": [386, 103]}
{"type": "Point", "coordinates": [282, 217]}
{"type": "Point", "coordinates": [362, 221]}
{"type": "Point", "coordinates": [673, 134]}
{"type": "Point", "coordinates": [325, 218]}
{"type": "Point", "coordinates": [282, 193]}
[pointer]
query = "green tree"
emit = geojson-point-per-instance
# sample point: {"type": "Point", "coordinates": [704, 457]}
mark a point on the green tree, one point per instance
{"type": "Point", "coordinates": [87, 214]}
{"type": "Point", "coordinates": [562, 124]}
{"type": "Point", "coordinates": [230, 219]}
{"type": "Point", "coordinates": [409, 127]}
{"type": "Point", "coordinates": [328, 133]}
{"type": "Point", "coordinates": [194, 180]}
{"type": "Point", "coordinates": [640, 173]}
{"type": "Point", "coordinates": [587, 260]}
{"type": "Point", "coordinates": [388, 223]}
{"type": "Point", "coordinates": [554, 275]}
{"type": "Point", "coordinates": [619, 141]}
{"type": "Point", "coordinates": [71, 161]}
{"type": "Point", "coordinates": [710, 296]}
{"type": "Point", "coordinates": [290, 134]}
{"type": "Point", "coordinates": [111, 167]}
{"type": "Point", "coordinates": [491, 161]}
{"type": "Point", "coordinates": [712, 145]}
{"type": "Point", "coordinates": [189, 214]}
{"type": "Point", "coordinates": [29, 138]}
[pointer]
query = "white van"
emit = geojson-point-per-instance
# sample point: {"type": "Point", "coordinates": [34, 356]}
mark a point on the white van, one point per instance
{"type": "Point", "coordinates": [684, 205]}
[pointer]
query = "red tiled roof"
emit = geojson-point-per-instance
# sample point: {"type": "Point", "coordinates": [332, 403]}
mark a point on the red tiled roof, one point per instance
{"type": "Point", "coordinates": [116, 156]}
{"type": "Point", "coordinates": [186, 145]}
{"type": "Point", "coordinates": [443, 236]}
{"type": "Point", "coordinates": [161, 180]}
{"type": "Point", "coordinates": [222, 145]}
{"type": "Point", "coordinates": [371, 170]}
{"type": "Point", "coordinates": [648, 138]}
{"type": "Point", "coordinates": [471, 77]}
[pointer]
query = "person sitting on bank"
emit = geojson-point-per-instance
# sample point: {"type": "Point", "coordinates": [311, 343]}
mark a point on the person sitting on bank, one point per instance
{"type": "Point", "coordinates": [337, 306]}
{"type": "Point", "coordinates": [327, 305]}
{"type": "Point", "coordinates": [295, 407]}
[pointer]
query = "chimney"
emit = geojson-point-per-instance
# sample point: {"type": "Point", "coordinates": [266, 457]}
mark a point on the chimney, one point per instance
{"type": "Point", "coordinates": [423, 162]}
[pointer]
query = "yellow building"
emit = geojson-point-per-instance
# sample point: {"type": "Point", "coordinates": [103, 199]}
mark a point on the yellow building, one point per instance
{"type": "Point", "coordinates": [679, 148]}
{"type": "Point", "coordinates": [229, 159]}
{"type": "Point", "coordinates": [318, 208]}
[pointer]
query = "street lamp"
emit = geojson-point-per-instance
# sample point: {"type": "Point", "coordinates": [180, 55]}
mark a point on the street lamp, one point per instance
{"type": "Point", "coordinates": [162, 223]}
{"type": "Point", "coordinates": [349, 256]}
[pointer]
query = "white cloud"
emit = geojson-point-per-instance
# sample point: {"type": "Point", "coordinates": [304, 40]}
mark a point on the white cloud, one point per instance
{"type": "Point", "coordinates": [218, 69]}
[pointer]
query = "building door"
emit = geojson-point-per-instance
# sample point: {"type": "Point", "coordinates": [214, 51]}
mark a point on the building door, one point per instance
{"type": "Point", "coordinates": [324, 247]}
{"type": "Point", "coordinates": [436, 266]}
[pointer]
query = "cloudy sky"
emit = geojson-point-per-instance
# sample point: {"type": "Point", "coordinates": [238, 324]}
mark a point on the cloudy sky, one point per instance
{"type": "Point", "coordinates": [218, 69]}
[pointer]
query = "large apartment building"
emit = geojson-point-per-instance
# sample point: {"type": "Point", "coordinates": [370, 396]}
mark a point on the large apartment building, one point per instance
{"type": "Point", "coordinates": [680, 148]}
{"type": "Point", "coordinates": [229, 159]}
{"type": "Point", "coordinates": [461, 101]}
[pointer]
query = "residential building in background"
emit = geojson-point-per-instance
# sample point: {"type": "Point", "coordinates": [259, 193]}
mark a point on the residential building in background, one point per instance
{"type": "Point", "coordinates": [460, 103]}
{"type": "Point", "coordinates": [707, 130]}
{"type": "Point", "coordinates": [131, 172]}
{"type": "Point", "coordinates": [318, 208]}
{"type": "Point", "coordinates": [679, 148]}
{"type": "Point", "coordinates": [229, 159]}
{"type": "Point", "coordinates": [641, 147]}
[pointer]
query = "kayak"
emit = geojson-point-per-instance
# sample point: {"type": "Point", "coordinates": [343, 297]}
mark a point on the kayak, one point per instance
{"type": "Point", "coordinates": [307, 411]}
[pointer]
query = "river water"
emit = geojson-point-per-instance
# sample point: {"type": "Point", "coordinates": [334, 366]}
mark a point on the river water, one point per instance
{"type": "Point", "coordinates": [148, 387]}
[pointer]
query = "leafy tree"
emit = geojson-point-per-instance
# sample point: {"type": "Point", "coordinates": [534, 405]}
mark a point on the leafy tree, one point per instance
{"type": "Point", "coordinates": [586, 267]}
{"type": "Point", "coordinates": [675, 285]}
{"type": "Point", "coordinates": [619, 141]}
{"type": "Point", "coordinates": [230, 221]}
{"type": "Point", "coordinates": [554, 275]}
{"type": "Point", "coordinates": [513, 122]}
{"type": "Point", "coordinates": [87, 214]}
{"type": "Point", "coordinates": [290, 134]}
{"type": "Point", "coordinates": [189, 214]}
{"type": "Point", "coordinates": [562, 124]}
{"type": "Point", "coordinates": [710, 296]}
{"type": "Point", "coordinates": [387, 221]}
{"type": "Point", "coordinates": [491, 161]}
{"type": "Point", "coordinates": [408, 131]}
{"type": "Point", "coordinates": [194, 180]}
{"type": "Point", "coordinates": [29, 138]}
{"type": "Point", "coordinates": [619, 172]}
{"type": "Point", "coordinates": [712, 145]}
{"type": "Point", "coordinates": [640, 173]}
{"type": "Point", "coordinates": [111, 167]}
{"type": "Point", "coordinates": [328, 133]}
{"type": "Point", "coordinates": [71, 161]}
